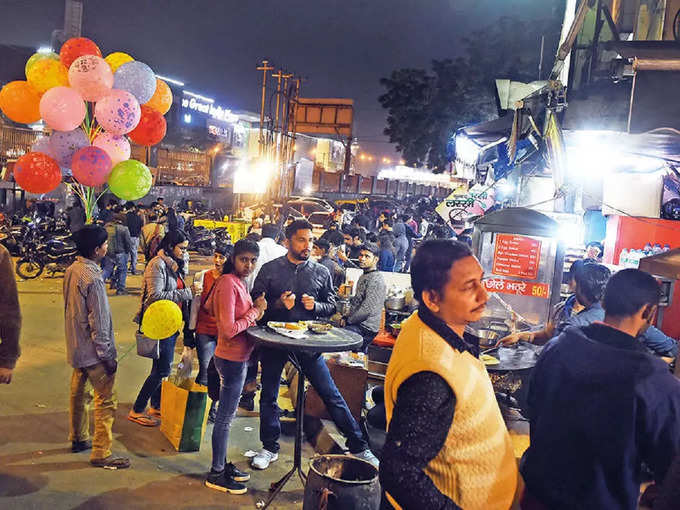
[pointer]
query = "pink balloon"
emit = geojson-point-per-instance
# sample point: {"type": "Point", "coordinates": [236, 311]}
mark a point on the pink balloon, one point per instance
{"type": "Point", "coordinates": [91, 166]}
{"type": "Point", "coordinates": [116, 146]}
{"type": "Point", "coordinates": [118, 113]}
{"type": "Point", "coordinates": [91, 76]}
{"type": "Point", "coordinates": [62, 108]}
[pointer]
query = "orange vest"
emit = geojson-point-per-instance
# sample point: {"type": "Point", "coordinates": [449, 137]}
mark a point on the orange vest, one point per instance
{"type": "Point", "coordinates": [476, 468]}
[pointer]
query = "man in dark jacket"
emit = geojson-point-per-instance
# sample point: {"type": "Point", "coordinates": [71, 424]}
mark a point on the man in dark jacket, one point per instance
{"type": "Point", "coordinates": [134, 224]}
{"type": "Point", "coordinates": [75, 216]}
{"type": "Point", "coordinates": [321, 251]}
{"type": "Point", "coordinates": [297, 289]}
{"type": "Point", "coordinates": [114, 265]}
{"type": "Point", "coordinates": [600, 405]}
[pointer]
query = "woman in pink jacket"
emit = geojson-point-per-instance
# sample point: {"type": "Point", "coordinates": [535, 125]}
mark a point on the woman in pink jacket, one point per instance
{"type": "Point", "coordinates": [234, 311]}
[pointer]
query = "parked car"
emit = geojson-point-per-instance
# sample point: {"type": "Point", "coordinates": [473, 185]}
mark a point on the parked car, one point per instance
{"type": "Point", "coordinates": [319, 221]}
{"type": "Point", "coordinates": [322, 202]}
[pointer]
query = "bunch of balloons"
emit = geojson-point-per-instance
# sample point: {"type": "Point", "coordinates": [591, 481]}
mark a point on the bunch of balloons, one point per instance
{"type": "Point", "coordinates": [92, 105]}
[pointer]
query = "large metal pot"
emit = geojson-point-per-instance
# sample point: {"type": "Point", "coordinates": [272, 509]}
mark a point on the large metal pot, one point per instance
{"type": "Point", "coordinates": [396, 303]}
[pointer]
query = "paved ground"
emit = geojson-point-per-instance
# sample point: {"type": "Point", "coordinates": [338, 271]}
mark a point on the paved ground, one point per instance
{"type": "Point", "coordinates": [37, 470]}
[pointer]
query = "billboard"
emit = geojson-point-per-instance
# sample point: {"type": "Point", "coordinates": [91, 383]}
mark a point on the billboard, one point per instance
{"type": "Point", "coordinates": [329, 116]}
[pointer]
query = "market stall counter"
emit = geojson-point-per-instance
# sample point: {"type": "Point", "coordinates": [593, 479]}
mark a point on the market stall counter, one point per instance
{"type": "Point", "coordinates": [334, 340]}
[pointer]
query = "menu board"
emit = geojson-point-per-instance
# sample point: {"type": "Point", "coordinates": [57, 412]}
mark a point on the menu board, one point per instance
{"type": "Point", "coordinates": [517, 256]}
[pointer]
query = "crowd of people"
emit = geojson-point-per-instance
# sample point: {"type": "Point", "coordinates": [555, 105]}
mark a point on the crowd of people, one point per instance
{"type": "Point", "coordinates": [603, 407]}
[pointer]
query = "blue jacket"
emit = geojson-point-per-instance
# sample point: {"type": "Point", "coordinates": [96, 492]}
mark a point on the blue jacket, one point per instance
{"type": "Point", "coordinates": [386, 261]}
{"type": "Point", "coordinates": [600, 405]}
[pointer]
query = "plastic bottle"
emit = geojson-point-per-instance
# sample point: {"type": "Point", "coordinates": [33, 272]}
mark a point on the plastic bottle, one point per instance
{"type": "Point", "coordinates": [656, 249]}
{"type": "Point", "coordinates": [647, 250]}
{"type": "Point", "coordinates": [635, 258]}
{"type": "Point", "coordinates": [623, 258]}
{"type": "Point", "coordinates": [666, 247]}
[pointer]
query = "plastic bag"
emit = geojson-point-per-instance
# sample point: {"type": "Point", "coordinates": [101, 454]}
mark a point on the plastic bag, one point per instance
{"type": "Point", "coordinates": [184, 367]}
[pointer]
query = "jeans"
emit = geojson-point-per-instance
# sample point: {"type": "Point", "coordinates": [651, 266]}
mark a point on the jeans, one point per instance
{"type": "Point", "coordinates": [134, 247]}
{"type": "Point", "coordinates": [316, 371]}
{"type": "Point", "coordinates": [115, 267]}
{"type": "Point", "coordinates": [250, 386]}
{"type": "Point", "coordinates": [232, 376]}
{"type": "Point", "coordinates": [160, 368]}
{"type": "Point", "coordinates": [83, 380]}
{"type": "Point", "coordinates": [205, 349]}
{"type": "Point", "coordinates": [401, 244]}
{"type": "Point", "coordinates": [409, 256]}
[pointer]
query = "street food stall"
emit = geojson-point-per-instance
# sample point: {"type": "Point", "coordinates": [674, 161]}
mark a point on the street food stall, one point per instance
{"type": "Point", "coordinates": [522, 260]}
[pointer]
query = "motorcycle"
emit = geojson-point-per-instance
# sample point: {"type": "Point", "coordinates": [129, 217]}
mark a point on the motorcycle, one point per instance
{"type": "Point", "coordinates": [53, 255]}
{"type": "Point", "coordinates": [11, 237]}
{"type": "Point", "coordinates": [201, 240]}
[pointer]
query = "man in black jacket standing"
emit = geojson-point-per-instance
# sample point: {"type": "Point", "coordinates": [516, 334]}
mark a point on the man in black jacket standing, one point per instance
{"type": "Point", "coordinates": [600, 405]}
{"type": "Point", "coordinates": [296, 289]}
{"type": "Point", "coordinates": [134, 224]}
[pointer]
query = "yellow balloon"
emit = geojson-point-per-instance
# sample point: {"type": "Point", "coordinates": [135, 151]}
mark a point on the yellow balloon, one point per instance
{"type": "Point", "coordinates": [47, 74]}
{"type": "Point", "coordinates": [117, 59]}
{"type": "Point", "coordinates": [161, 320]}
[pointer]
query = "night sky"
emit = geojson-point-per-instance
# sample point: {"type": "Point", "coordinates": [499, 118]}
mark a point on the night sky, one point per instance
{"type": "Point", "coordinates": [341, 48]}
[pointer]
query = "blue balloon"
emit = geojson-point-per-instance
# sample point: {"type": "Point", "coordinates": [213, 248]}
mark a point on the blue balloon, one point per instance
{"type": "Point", "coordinates": [137, 78]}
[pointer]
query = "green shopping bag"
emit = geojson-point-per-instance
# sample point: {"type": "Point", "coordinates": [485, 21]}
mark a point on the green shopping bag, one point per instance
{"type": "Point", "coordinates": [184, 414]}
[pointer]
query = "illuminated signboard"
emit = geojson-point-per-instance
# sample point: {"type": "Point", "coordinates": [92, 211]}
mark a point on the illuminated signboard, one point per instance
{"type": "Point", "coordinates": [207, 106]}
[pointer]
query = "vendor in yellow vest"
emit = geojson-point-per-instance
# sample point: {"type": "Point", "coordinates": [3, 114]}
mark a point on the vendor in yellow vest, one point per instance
{"type": "Point", "coordinates": [447, 446]}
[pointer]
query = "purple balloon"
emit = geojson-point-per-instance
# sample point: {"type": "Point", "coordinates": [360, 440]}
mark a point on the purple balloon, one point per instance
{"type": "Point", "coordinates": [42, 144]}
{"type": "Point", "coordinates": [137, 78]}
{"type": "Point", "coordinates": [64, 144]}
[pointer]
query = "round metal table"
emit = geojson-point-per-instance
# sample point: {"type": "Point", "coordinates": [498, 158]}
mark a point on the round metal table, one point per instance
{"type": "Point", "coordinates": [335, 340]}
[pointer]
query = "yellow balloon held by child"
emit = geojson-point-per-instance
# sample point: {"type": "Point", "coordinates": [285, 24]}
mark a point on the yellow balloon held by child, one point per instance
{"type": "Point", "coordinates": [162, 319]}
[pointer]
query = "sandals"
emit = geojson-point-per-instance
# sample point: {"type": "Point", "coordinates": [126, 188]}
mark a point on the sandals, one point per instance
{"type": "Point", "coordinates": [155, 413]}
{"type": "Point", "coordinates": [111, 462]}
{"type": "Point", "coordinates": [143, 419]}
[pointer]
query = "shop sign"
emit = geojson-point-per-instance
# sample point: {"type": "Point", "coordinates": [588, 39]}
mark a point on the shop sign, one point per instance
{"type": "Point", "coordinates": [517, 288]}
{"type": "Point", "coordinates": [216, 112]}
{"type": "Point", "coordinates": [516, 256]}
{"type": "Point", "coordinates": [463, 204]}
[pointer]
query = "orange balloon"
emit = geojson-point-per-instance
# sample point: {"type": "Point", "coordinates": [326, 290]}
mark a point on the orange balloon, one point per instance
{"type": "Point", "coordinates": [161, 101]}
{"type": "Point", "coordinates": [20, 102]}
{"type": "Point", "coordinates": [47, 74]}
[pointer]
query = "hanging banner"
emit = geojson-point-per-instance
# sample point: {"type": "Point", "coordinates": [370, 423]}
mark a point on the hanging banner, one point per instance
{"type": "Point", "coordinates": [464, 204]}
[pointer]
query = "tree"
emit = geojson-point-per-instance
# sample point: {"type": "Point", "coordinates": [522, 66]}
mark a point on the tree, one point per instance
{"type": "Point", "coordinates": [424, 109]}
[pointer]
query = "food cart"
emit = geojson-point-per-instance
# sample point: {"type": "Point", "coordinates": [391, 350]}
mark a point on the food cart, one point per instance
{"type": "Point", "coordinates": [522, 259]}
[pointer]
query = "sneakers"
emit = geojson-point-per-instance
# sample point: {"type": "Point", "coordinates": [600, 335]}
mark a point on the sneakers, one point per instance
{"type": "Point", "coordinates": [235, 473]}
{"type": "Point", "coordinates": [263, 459]}
{"type": "Point", "coordinates": [368, 456]}
{"type": "Point", "coordinates": [111, 462]}
{"type": "Point", "coordinates": [224, 483]}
